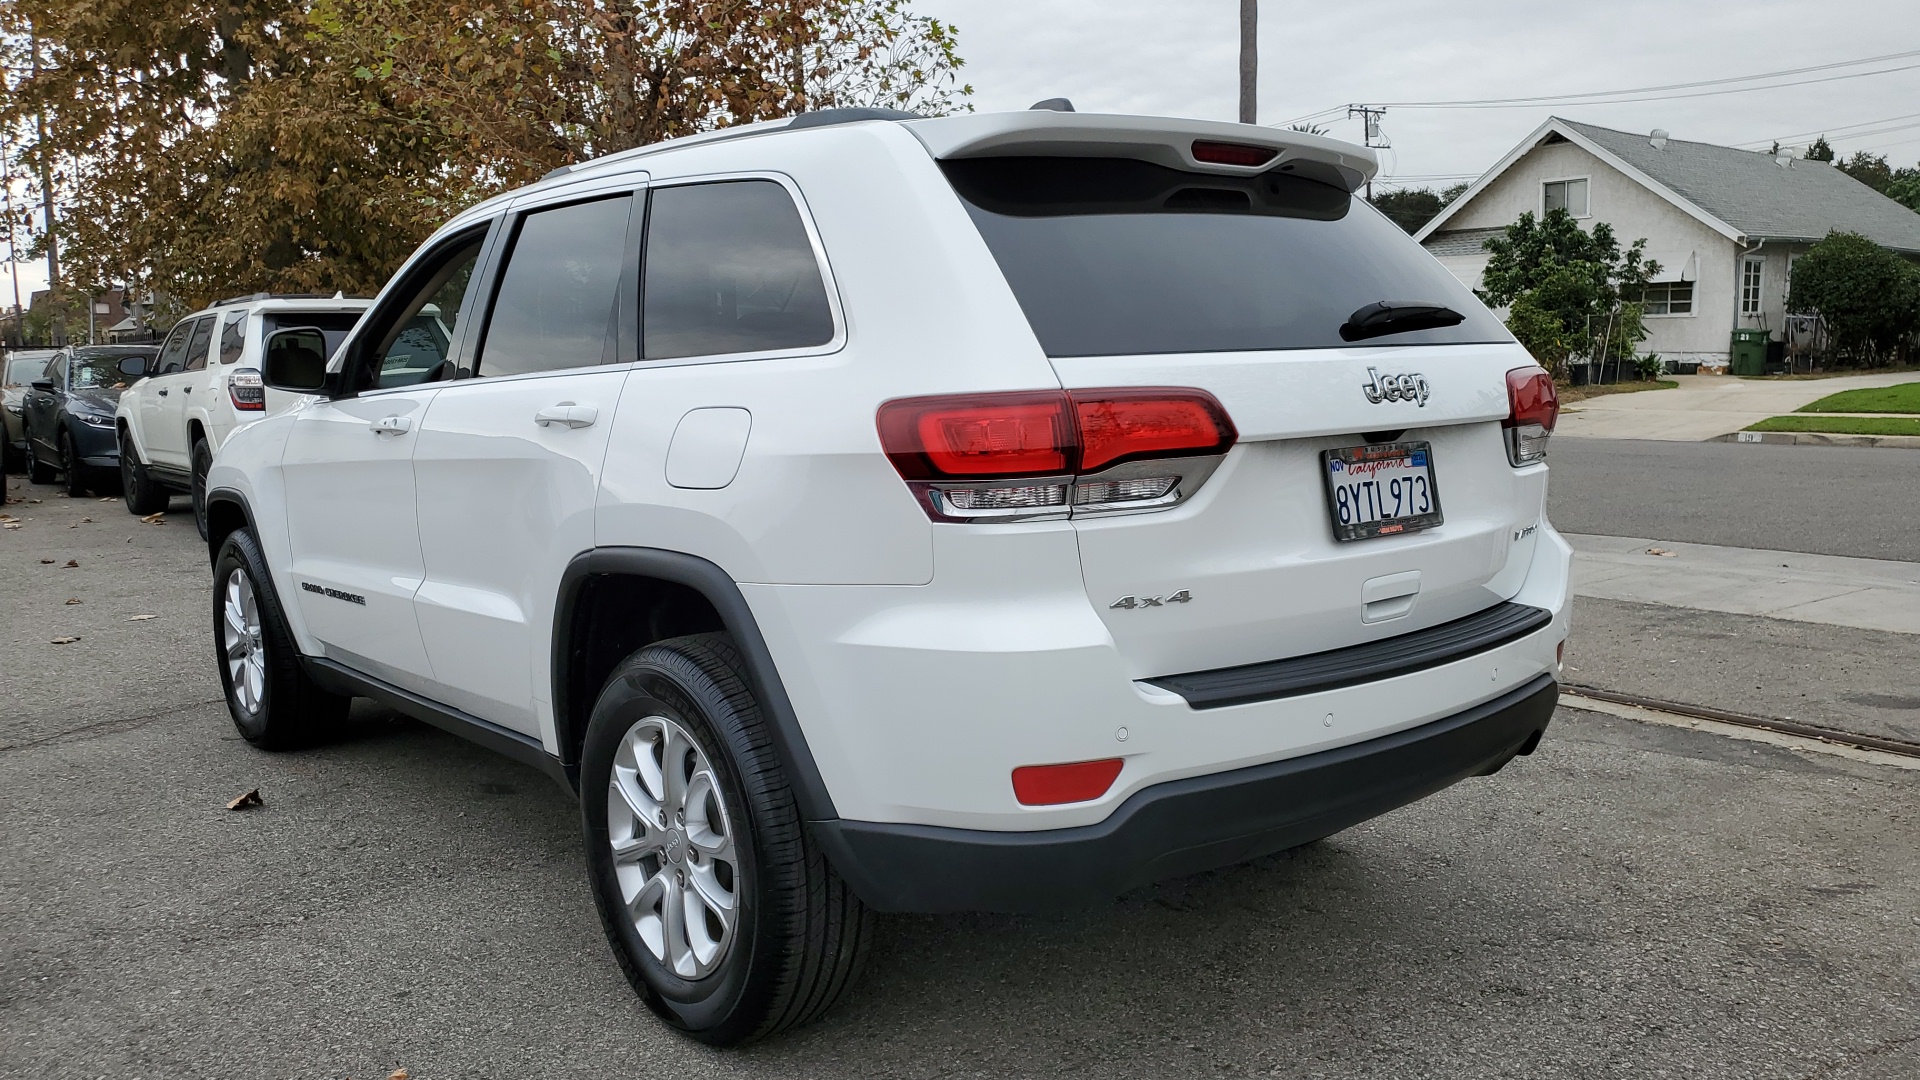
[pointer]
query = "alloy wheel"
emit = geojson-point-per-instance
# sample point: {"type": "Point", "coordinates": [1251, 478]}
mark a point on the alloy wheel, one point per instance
{"type": "Point", "coordinates": [240, 633]}
{"type": "Point", "coordinates": [673, 847]}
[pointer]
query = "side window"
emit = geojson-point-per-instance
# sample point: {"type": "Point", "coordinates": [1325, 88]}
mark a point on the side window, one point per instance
{"type": "Point", "coordinates": [416, 336]}
{"type": "Point", "coordinates": [57, 372]}
{"type": "Point", "coordinates": [557, 305]}
{"type": "Point", "coordinates": [197, 344]}
{"type": "Point", "coordinates": [730, 269]}
{"type": "Point", "coordinates": [173, 355]}
{"type": "Point", "coordinates": [233, 337]}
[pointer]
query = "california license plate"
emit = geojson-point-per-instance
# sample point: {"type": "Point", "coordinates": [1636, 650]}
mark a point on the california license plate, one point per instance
{"type": "Point", "coordinates": [1381, 490]}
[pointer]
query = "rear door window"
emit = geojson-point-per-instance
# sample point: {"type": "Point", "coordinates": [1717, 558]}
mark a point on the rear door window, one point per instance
{"type": "Point", "coordinates": [173, 355]}
{"type": "Point", "coordinates": [558, 302]}
{"type": "Point", "coordinates": [730, 269]}
{"type": "Point", "coordinates": [197, 344]}
{"type": "Point", "coordinates": [1113, 256]}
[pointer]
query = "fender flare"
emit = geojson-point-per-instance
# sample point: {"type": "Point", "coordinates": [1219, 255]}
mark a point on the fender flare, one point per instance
{"type": "Point", "coordinates": [720, 590]}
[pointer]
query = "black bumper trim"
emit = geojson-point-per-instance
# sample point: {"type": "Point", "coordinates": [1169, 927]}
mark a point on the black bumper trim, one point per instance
{"type": "Point", "coordinates": [1183, 826]}
{"type": "Point", "coordinates": [1371, 662]}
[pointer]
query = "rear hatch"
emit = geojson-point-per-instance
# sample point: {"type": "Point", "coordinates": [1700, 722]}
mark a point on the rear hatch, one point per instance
{"type": "Point", "coordinates": [1136, 273]}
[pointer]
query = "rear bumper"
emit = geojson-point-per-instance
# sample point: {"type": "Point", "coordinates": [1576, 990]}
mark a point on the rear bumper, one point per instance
{"type": "Point", "coordinates": [1182, 826]}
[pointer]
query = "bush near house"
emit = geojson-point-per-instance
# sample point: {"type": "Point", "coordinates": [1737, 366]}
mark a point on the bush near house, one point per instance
{"type": "Point", "coordinates": [1569, 292]}
{"type": "Point", "coordinates": [1868, 296]}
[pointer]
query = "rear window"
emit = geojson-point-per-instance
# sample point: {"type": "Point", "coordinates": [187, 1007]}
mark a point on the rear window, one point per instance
{"type": "Point", "coordinates": [333, 325]}
{"type": "Point", "coordinates": [1112, 256]}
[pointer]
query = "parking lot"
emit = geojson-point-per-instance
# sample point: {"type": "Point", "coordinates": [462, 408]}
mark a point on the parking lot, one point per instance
{"type": "Point", "coordinates": [1633, 900]}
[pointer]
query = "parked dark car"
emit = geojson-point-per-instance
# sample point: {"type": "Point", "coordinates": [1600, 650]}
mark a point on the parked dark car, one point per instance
{"type": "Point", "coordinates": [69, 413]}
{"type": "Point", "coordinates": [21, 366]}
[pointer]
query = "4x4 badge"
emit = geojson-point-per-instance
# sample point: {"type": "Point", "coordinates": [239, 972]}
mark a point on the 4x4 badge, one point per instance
{"type": "Point", "coordinates": [1379, 388]}
{"type": "Point", "coordinates": [1128, 602]}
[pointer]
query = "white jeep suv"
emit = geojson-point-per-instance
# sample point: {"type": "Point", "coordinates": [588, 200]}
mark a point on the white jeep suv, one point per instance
{"type": "Point", "coordinates": [873, 513]}
{"type": "Point", "coordinates": [204, 385]}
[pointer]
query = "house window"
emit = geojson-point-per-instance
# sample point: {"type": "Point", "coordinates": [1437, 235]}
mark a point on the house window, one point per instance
{"type": "Point", "coordinates": [1568, 195]}
{"type": "Point", "coordinates": [1668, 298]}
{"type": "Point", "coordinates": [1750, 271]}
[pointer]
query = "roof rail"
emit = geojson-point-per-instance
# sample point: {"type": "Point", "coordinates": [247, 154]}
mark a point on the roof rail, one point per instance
{"type": "Point", "coordinates": [250, 297]}
{"type": "Point", "coordinates": [829, 117]}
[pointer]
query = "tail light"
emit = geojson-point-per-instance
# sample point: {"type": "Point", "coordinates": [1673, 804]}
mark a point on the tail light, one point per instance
{"type": "Point", "coordinates": [247, 391]}
{"type": "Point", "coordinates": [1053, 453]}
{"type": "Point", "coordinates": [1534, 407]}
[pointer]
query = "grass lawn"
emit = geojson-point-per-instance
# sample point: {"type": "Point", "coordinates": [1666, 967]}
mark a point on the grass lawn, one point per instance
{"type": "Point", "coordinates": [1591, 390]}
{"type": "Point", "coordinates": [1843, 425]}
{"type": "Point", "coordinates": [1904, 398]}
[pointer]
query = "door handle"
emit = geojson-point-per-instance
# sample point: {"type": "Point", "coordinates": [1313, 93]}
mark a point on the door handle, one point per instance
{"type": "Point", "coordinates": [186, 389]}
{"type": "Point", "coordinates": [392, 425]}
{"type": "Point", "coordinates": [163, 391]}
{"type": "Point", "coordinates": [567, 414]}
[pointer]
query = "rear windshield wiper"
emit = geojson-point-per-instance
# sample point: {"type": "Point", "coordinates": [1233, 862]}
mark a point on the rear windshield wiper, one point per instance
{"type": "Point", "coordinates": [1397, 317]}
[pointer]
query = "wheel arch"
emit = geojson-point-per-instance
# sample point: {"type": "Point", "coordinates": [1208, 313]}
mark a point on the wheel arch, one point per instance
{"type": "Point", "coordinates": [227, 511]}
{"type": "Point", "coordinates": [620, 599]}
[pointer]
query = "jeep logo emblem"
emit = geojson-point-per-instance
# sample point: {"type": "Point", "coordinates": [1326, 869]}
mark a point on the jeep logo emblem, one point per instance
{"type": "Point", "coordinates": [1379, 388]}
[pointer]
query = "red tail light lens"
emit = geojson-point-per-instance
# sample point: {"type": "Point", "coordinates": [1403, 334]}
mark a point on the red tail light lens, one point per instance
{"type": "Point", "coordinates": [1221, 153]}
{"type": "Point", "coordinates": [1127, 425]}
{"type": "Point", "coordinates": [1533, 399]}
{"type": "Point", "coordinates": [953, 451]}
{"type": "Point", "coordinates": [1050, 785]}
{"type": "Point", "coordinates": [1534, 406]}
{"type": "Point", "coordinates": [982, 437]}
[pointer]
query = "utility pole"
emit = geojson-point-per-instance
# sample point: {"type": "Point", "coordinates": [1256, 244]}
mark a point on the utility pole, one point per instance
{"type": "Point", "coordinates": [1249, 60]}
{"type": "Point", "coordinates": [13, 265]}
{"type": "Point", "coordinates": [46, 200]}
{"type": "Point", "coordinates": [1373, 138]}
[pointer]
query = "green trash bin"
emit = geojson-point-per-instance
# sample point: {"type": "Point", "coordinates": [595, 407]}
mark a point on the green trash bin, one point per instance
{"type": "Point", "coordinates": [1749, 352]}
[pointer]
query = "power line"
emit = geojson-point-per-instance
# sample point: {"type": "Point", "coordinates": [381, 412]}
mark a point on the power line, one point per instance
{"type": "Point", "coordinates": [1662, 92]}
{"type": "Point", "coordinates": [1835, 130]}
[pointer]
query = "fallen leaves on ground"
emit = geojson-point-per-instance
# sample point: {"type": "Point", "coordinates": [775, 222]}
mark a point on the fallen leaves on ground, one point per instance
{"type": "Point", "coordinates": [1662, 552]}
{"type": "Point", "coordinates": [109, 498]}
{"type": "Point", "coordinates": [399, 1074]}
{"type": "Point", "coordinates": [141, 618]}
{"type": "Point", "coordinates": [65, 640]}
{"type": "Point", "coordinates": [251, 798]}
{"type": "Point", "coordinates": [74, 600]}
{"type": "Point", "coordinates": [156, 519]}
{"type": "Point", "coordinates": [9, 525]}
{"type": "Point", "coordinates": [46, 562]}
{"type": "Point", "coordinates": [86, 521]}
{"type": "Point", "coordinates": [72, 564]}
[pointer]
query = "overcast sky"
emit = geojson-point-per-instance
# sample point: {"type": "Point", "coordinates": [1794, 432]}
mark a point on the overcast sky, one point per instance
{"type": "Point", "coordinates": [1179, 57]}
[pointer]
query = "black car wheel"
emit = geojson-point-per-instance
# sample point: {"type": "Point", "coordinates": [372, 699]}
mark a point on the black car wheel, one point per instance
{"type": "Point", "coordinates": [38, 471]}
{"type": "Point", "coordinates": [723, 913]}
{"type": "Point", "coordinates": [202, 462]}
{"type": "Point", "coordinates": [142, 494]}
{"type": "Point", "coordinates": [273, 702]}
{"type": "Point", "coordinates": [70, 464]}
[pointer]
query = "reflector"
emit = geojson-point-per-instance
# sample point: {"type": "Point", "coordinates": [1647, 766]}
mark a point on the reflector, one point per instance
{"type": "Point", "coordinates": [1050, 785]}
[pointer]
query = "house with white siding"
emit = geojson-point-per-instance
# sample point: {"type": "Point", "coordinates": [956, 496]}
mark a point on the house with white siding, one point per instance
{"type": "Point", "coordinates": [1725, 225]}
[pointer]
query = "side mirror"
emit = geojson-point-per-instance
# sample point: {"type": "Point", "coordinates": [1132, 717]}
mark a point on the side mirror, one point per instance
{"type": "Point", "coordinates": [45, 386]}
{"type": "Point", "coordinates": [133, 367]}
{"type": "Point", "coordinates": [296, 360]}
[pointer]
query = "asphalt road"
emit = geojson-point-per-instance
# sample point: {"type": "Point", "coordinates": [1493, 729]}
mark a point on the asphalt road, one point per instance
{"type": "Point", "coordinates": [1632, 901]}
{"type": "Point", "coordinates": [1830, 500]}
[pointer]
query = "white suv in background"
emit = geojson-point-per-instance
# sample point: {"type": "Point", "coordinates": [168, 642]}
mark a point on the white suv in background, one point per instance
{"type": "Point", "coordinates": [868, 512]}
{"type": "Point", "coordinates": [204, 385]}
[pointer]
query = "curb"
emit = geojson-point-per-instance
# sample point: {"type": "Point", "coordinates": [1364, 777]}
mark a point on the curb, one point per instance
{"type": "Point", "coordinates": [1814, 438]}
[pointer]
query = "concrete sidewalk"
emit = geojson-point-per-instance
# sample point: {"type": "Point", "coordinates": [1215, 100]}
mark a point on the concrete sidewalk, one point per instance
{"type": "Point", "coordinates": [1871, 594]}
{"type": "Point", "coordinates": [1705, 406]}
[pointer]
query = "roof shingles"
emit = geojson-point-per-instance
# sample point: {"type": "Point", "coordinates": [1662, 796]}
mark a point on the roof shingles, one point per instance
{"type": "Point", "coordinates": [1756, 195]}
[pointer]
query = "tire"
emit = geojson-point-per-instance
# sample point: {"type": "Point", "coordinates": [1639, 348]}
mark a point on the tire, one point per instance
{"type": "Point", "coordinates": [142, 494]}
{"type": "Point", "coordinates": [202, 461]}
{"type": "Point", "coordinates": [799, 935]}
{"type": "Point", "coordinates": [273, 703]}
{"type": "Point", "coordinates": [76, 473]}
{"type": "Point", "coordinates": [38, 471]}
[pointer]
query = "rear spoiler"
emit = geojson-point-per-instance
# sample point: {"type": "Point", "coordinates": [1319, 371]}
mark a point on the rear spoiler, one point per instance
{"type": "Point", "coordinates": [1162, 140]}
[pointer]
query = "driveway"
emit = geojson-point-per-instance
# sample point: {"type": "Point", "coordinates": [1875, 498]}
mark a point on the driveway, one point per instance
{"type": "Point", "coordinates": [1705, 406]}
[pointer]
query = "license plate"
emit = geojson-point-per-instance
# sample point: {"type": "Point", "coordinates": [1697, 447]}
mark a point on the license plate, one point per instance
{"type": "Point", "coordinates": [1381, 490]}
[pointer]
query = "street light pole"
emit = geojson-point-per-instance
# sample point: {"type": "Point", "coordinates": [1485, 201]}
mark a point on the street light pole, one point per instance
{"type": "Point", "coordinates": [1249, 59]}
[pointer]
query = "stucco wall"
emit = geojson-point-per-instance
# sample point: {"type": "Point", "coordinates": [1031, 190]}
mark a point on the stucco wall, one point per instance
{"type": "Point", "coordinates": [1685, 248]}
